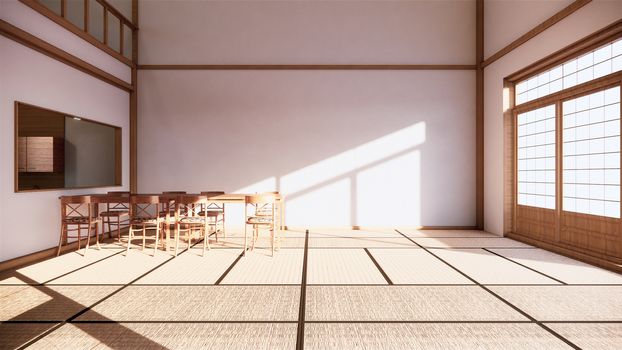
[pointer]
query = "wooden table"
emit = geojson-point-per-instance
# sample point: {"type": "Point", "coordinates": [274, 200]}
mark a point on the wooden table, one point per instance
{"type": "Point", "coordinates": [239, 198]}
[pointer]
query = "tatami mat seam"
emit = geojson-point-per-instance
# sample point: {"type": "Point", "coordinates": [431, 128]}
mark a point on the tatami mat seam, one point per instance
{"type": "Point", "coordinates": [527, 267]}
{"type": "Point", "coordinates": [81, 312]}
{"type": "Point", "coordinates": [300, 335]}
{"type": "Point", "coordinates": [384, 274]}
{"type": "Point", "coordinates": [224, 274]}
{"type": "Point", "coordinates": [525, 314]}
{"type": "Point", "coordinates": [82, 267]}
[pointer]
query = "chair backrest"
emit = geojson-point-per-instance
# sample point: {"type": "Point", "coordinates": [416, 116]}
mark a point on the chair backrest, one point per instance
{"type": "Point", "coordinates": [213, 205]}
{"type": "Point", "coordinates": [190, 205]}
{"type": "Point", "coordinates": [113, 201]}
{"type": "Point", "coordinates": [145, 206]}
{"type": "Point", "coordinates": [262, 202]}
{"type": "Point", "coordinates": [72, 206]}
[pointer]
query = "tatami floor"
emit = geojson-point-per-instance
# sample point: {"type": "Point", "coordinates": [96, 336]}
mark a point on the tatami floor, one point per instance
{"type": "Point", "coordinates": [323, 290]}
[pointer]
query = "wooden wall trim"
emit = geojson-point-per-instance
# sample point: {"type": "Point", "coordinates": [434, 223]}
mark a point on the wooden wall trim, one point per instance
{"type": "Point", "coordinates": [12, 32]}
{"type": "Point", "coordinates": [306, 67]}
{"type": "Point", "coordinates": [35, 5]}
{"type": "Point", "coordinates": [509, 161]}
{"type": "Point", "coordinates": [567, 11]}
{"type": "Point", "coordinates": [479, 115]}
{"type": "Point", "coordinates": [134, 105]}
{"type": "Point", "coordinates": [601, 37]}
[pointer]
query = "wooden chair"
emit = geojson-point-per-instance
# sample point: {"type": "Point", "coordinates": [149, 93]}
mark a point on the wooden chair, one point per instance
{"type": "Point", "coordinates": [278, 209]}
{"type": "Point", "coordinates": [117, 211]}
{"type": "Point", "coordinates": [77, 213]}
{"type": "Point", "coordinates": [145, 215]}
{"type": "Point", "coordinates": [189, 217]}
{"type": "Point", "coordinates": [168, 210]}
{"type": "Point", "coordinates": [216, 212]}
{"type": "Point", "coordinates": [262, 215]}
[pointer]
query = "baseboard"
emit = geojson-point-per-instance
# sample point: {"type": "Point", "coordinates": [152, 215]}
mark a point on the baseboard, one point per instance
{"type": "Point", "coordinates": [568, 252]}
{"type": "Point", "coordinates": [381, 228]}
{"type": "Point", "coordinates": [445, 228]}
{"type": "Point", "coordinates": [51, 252]}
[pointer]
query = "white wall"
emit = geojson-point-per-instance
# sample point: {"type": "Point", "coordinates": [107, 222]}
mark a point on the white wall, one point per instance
{"type": "Point", "coordinates": [30, 221]}
{"type": "Point", "coordinates": [367, 148]}
{"type": "Point", "coordinates": [348, 148]}
{"type": "Point", "coordinates": [585, 21]}
{"type": "Point", "coordinates": [507, 20]}
{"type": "Point", "coordinates": [307, 31]}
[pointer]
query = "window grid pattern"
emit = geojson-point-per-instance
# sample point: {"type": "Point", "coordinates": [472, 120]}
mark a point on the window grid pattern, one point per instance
{"type": "Point", "coordinates": [593, 65]}
{"type": "Point", "coordinates": [536, 158]}
{"type": "Point", "coordinates": [591, 154]}
{"type": "Point", "coordinates": [118, 28]}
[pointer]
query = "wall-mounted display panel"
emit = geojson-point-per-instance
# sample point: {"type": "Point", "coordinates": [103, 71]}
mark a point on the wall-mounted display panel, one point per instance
{"type": "Point", "coordinates": [54, 150]}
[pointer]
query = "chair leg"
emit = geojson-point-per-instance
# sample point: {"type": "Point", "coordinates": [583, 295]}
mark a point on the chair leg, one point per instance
{"type": "Point", "coordinates": [189, 237]}
{"type": "Point", "coordinates": [104, 221]}
{"type": "Point", "coordinates": [119, 229]}
{"type": "Point", "coordinates": [97, 234]}
{"type": "Point", "coordinates": [205, 231]}
{"type": "Point", "coordinates": [224, 232]}
{"type": "Point", "coordinates": [253, 239]}
{"type": "Point", "coordinates": [129, 239]}
{"type": "Point", "coordinates": [60, 241]}
{"type": "Point", "coordinates": [163, 238]}
{"type": "Point", "coordinates": [88, 238]}
{"type": "Point", "coordinates": [206, 228]}
{"type": "Point", "coordinates": [245, 239]}
{"type": "Point", "coordinates": [166, 228]}
{"type": "Point", "coordinates": [144, 237]}
{"type": "Point", "coordinates": [79, 236]}
{"type": "Point", "coordinates": [155, 248]}
{"type": "Point", "coordinates": [272, 234]}
{"type": "Point", "coordinates": [216, 227]}
{"type": "Point", "coordinates": [176, 238]}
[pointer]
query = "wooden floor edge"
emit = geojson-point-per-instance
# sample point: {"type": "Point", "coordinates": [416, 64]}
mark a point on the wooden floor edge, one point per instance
{"type": "Point", "coordinates": [570, 253]}
{"type": "Point", "coordinates": [48, 253]}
